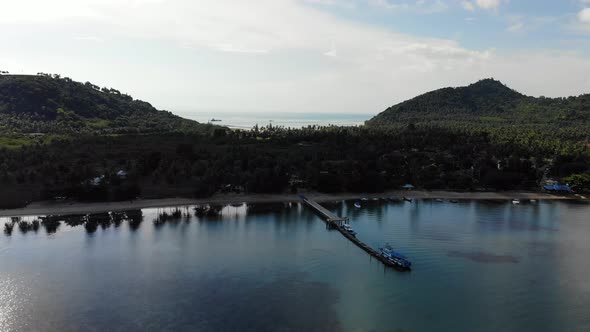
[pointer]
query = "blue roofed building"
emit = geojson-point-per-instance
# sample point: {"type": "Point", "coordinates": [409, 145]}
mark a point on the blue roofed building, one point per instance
{"type": "Point", "coordinates": [558, 188]}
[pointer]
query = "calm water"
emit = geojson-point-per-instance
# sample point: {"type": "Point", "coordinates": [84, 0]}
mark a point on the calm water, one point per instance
{"type": "Point", "coordinates": [478, 266]}
{"type": "Point", "coordinates": [247, 120]}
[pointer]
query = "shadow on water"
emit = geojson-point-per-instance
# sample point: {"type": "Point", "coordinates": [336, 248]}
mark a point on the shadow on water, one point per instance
{"type": "Point", "coordinates": [225, 303]}
{"type": "Point", "coordinates": [263, 208]}
{"type": "Point", "coordinates": [484, 257]}
{"type": "Point", "coordinates": [172, 217]}
{"type": "Point", "coordinates": [208, 210]}
{"type": "Point", "coordinates": [91, 222]}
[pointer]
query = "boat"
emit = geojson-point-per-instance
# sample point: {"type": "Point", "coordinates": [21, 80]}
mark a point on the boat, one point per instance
{"type": "Point", "coordinates": [349, 229]}
{"type": "Point", "coordinates": [215, 120]}
{"type": "Point", "coordinates": [515, 201]}
{"type": "Point", "coordinates": [395, 258]}
{"type": "Point", "coordinates": [439, 200]}
{"type": "Point", "coordinates": [364, 199]}
{"type": "Point", "coordinates": [533, 201]}
{"type": "Point", "coordinates": [407, 199]}
{"type": "Point", "coordinates": [454, 201]}
{"type": "Point", "coordinates": [357, 205]}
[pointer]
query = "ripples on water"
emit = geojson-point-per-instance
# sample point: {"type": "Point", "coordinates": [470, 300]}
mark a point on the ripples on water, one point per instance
{"type": "Point", "coordinates": [484, 266]}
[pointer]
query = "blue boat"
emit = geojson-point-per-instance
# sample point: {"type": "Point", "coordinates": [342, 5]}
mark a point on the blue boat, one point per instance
{"type": "Point", "coordinates": [395, 257]}
{"type": "Point", "coordinates": [357, 205]}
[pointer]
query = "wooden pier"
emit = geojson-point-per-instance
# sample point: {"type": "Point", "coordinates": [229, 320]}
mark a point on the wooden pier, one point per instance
{"type": "Point", "coordinates": [337, 222]}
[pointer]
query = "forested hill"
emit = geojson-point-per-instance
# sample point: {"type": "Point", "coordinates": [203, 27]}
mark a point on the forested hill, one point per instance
{"type": "Point", "coordinates": [487, 102]}
{"type": "Point", "coordinates": [51, 104]}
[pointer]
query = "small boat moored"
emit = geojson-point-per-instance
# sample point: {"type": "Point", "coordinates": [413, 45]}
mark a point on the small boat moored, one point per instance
{"type": "Point", "coordinates": [407, 199]}
{"type": "Point", "coordinates": [349, 229]}
{"type": "Point", "coordinates": [515, 201]}
{"type": "Point", "coordinates": [357, 205]}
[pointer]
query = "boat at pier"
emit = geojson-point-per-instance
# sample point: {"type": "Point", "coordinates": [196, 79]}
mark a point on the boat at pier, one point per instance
{"type": "Point", "coordinates": [349, 229]}
{"type": "Point", "coordinates": [395, 258]}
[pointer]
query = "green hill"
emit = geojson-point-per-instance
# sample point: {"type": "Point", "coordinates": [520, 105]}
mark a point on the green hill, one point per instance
{"type": "Point", "coordinates": [487, 102]}
{"type": "Point", "coordinates": [51, 104]}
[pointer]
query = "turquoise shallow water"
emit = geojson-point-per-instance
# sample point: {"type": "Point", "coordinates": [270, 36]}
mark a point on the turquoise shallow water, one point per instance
{"type": "Point", "coordinates": [478, 266]}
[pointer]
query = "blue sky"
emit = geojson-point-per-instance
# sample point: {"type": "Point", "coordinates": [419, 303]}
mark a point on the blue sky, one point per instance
{"type": "Point", "coordinates": [351, 56]}
{"type": "Point", "coordinates": [508, 25]}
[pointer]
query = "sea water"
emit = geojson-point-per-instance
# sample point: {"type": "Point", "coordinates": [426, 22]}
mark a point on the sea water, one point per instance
{"type": "Point", "coordinates": [477, 266]}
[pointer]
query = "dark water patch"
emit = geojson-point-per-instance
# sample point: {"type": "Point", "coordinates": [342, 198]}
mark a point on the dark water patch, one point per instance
{"type": "Point", "coordinates": [541, 249]}
{"type": "Point", "coordinates": [437, 236]}
{"type": "Point", "coordinates": [50, 224]}
{"type": "Point", "coordinates": [25, 226]}
{"type": "Point", "coordinates": [8, 228]}
{"type": "Point", "coordinates": [484, 257]}
{"type": "Point", "coordinates": [515, 225]}
{"type": "Point", "coordinates": [91, 222]}
{"type": "Point", "coordinates": [208, 210]}
{"type": "Point", "coordinates": [210, 303]}
{"type": "Point", "coordinates": [173, 217]}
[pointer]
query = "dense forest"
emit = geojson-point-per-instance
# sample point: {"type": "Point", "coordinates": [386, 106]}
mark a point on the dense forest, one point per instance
{"type": "Point", "coordinates": [196, 160]}
{"type": "Point", "coordinates": [488, 103]}
{"type": "Point", "coordinates": [51, 104]}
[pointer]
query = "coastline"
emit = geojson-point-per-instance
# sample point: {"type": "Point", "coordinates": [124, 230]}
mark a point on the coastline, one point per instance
{"type": "Point", "coordinates": [71, 207]}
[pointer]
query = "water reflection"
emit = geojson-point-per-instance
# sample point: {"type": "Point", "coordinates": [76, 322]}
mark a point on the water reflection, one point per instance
{"type": "Point", "coordinates": [481, 266]}
{"type": "Point", "coordinates": [484, 257]}
{"type": "Point", "coordinates": [90, 222]}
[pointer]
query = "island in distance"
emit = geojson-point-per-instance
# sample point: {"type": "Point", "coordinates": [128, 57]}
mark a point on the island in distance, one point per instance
{"type": "Point", "coordinates": [64, 139]}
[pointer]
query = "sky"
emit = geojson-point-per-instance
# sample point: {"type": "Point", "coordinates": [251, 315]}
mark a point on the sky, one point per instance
{"type": "Point", "coordinates": [328, 56]}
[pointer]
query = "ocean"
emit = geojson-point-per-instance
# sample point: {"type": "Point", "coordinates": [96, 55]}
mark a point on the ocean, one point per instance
{"type": "Point", "coordinates": [477, 266]}
{"type": "Point", "coordinates": [247, 120]}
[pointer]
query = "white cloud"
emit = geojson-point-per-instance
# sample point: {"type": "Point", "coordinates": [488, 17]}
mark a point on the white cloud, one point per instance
{"type": "Point", "coordinates": [265, 54]}
{"type": "Point", "coordinates": [418, 6]}
{"type": "Point", "coordinates": [468, 5]}
{"type": "Point", "coordinates": [516, 27]}
{"type": "Point", "coordinates": [584, 15]}
{"type": "Point", "coordinates": [488, 4]}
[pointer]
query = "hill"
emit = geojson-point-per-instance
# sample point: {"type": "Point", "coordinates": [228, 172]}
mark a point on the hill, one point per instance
{"type": "Point", "coordinates": [52, 104]}
{"type": "Point", "coordinates": [487, 102]}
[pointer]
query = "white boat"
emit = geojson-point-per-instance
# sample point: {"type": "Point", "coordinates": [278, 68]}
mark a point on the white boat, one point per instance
{"type": "Point", "coordinates": [515, 201]}
{"type": "Point", "coordinates": [349, 229]}
{"type": "Point", "coordinates": [357, 205]}
{"type": "Point", "coordinates": [533, 201]}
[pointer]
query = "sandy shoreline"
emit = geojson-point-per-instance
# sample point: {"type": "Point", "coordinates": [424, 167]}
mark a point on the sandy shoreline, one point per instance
{"type": "Point", "coordinates": [62, 208]}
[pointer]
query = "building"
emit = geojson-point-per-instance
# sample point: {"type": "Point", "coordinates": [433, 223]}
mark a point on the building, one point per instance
{"type": "Point", "coordinates": [563, 188]}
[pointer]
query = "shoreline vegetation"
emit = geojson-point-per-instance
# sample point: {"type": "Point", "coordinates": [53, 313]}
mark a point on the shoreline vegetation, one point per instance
{"type": "Point", "coordinates": [75, 207]}
{"type": "Point", "coordinates": [61, 139]}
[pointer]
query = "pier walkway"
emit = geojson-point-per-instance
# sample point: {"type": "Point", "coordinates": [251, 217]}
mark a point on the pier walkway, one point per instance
{"type": "Point", "coordinates": [337, 222]}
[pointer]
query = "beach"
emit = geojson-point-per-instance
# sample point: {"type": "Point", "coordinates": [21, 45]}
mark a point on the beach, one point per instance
{"type": "Point", "coordinates": [73, 207]}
